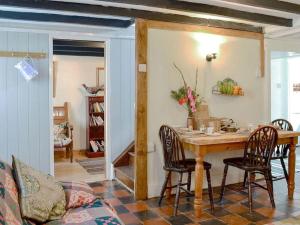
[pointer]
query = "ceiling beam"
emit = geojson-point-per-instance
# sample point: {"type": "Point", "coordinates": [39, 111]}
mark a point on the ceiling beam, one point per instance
{"type": "Point", "coordinates": [270, 4]}
{"type": "Point", "coordinates": [125, 12]}
{"type": "Point", "coordinates": [210, 9]}
{"type": "Point", "coordinates": [43, 17]}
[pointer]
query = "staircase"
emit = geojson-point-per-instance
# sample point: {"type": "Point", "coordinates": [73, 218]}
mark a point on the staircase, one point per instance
{"type": "Point", "coordinates": [124, 167]}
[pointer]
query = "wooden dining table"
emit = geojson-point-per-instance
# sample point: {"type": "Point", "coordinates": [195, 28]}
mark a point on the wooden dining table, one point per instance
{"type": "Point", "coordinates": [204, 144]}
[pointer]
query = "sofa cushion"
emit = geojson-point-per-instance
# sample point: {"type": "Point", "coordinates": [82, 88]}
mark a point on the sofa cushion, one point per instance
{"type": "Point", "coordinates": [41, 197]}
{"type": "Point", "coordinates": [78, 194]}
{"type": "Point", "coordinates": [96, 213]}
{"type": "Point", "coordinates": [9, 206]}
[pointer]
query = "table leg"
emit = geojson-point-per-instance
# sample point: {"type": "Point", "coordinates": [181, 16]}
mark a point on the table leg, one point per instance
{"type": "Point", "coordinates": [198, 183]}
{"type": "Point", "coordinates": [292, 162]}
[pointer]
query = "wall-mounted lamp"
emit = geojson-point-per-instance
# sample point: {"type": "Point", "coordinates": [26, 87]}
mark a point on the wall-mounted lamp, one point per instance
{"type": "Point", "coordinates": [211, 56]}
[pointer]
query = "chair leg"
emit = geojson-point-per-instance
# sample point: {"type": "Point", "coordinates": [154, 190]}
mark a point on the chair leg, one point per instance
{"type": "Point", "coordinates": [245, 180]}
{"type": "Point", "coordinates": [250, 191]}
{"type": "Point", "coordinates": [189, 181]}
{"type": "Point", "coordinates": [223, 182]}
{"type": "Point", "coordinates": [164, 187]}
{"type": "Point", "coordinates": [210, 191]}
{"type": "Point", "coordinates": [249, 177]}
{"type": "Point", "coordinates": [284, 170]}
{"type": "Point", "coordinates": [177, 194]}
{"type": "Point", "coordinates": [268, 177]}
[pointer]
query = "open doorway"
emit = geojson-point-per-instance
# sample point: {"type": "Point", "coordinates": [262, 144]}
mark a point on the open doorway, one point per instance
{"type": "Point", "coordinates": [285, 87]}
{"type": "Point", "coordinates": [79, 110]}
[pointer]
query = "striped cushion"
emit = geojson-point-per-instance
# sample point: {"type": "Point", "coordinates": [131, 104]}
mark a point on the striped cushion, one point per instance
{"type": "Point", "coordinates": [78, 194]}
{"type": "Point", "coordinates": [9, 206]}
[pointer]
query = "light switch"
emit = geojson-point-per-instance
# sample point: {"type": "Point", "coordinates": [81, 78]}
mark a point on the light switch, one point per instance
{"type": "Point", "coordinates": [151, 147]}
{"type": "Point", "coordinates": [142, 68]}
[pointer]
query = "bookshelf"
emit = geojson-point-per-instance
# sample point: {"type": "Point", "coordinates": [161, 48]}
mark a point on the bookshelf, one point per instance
{"type": "Point", "coordinates": [95, 126]}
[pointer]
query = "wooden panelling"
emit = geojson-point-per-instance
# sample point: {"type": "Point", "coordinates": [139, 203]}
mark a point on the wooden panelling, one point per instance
{"type": "Point", "coordinates": [142, 27]}
{"type": "Point", "coordinates": [24, 106]}
{"type": "Point", "coordinates": [141, 184]}
{"type": "Point", "coordinates": [122, 86]}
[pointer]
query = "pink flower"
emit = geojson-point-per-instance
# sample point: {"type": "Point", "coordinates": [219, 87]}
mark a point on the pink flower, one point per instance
{"type": "Point", "coordinates": [191, 98]}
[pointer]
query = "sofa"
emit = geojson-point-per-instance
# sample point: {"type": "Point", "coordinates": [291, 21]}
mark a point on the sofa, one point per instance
{"type": "Point", "coordinates": [95, 213]}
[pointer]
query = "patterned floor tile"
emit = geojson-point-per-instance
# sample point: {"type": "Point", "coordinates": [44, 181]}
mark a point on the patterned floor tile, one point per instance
{"type": "Point", "coordinates": [233, 210]}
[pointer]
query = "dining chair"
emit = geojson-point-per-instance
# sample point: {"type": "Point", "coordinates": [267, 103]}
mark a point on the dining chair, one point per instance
{"type": "Point", "coordinates": [258, 152]}
{"type": "Point", "coordinates": [281, 151]}
{"type": "Point", "coordinates": [175, 161]}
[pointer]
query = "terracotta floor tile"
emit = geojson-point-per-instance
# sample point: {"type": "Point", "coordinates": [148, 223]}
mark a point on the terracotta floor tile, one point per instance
{"type": "Point", "coordinates": [164, 211]}
{"type": "Point", "coordinates": [234, 220]}
{"type": "Point", "coordinates": [136, 207]}
{"type": "Point", "coordinates": [100, 189]}
{"type": "Point", "coordinates": [237, 208]}
{"type": "Point", "coordinates": [129, 218]}
{"type": "Point", "coordinates": [121, 193]}
{"type": "Point", "coordinates": [235, 197]}
{"type": "Point", "coordinates": [156, 222]}
{"type": "Point", "coordinates": [204, 216]}
{"type": "Point", "coordinates": [269, 212]}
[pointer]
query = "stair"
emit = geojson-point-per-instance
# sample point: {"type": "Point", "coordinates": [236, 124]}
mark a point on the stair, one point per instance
{"type": "Point", "coordinates": [124, 167]}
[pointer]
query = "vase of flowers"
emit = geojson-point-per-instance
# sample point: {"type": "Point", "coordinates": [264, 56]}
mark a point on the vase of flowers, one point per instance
{"type": "Point", "coordinates": [187, 97]}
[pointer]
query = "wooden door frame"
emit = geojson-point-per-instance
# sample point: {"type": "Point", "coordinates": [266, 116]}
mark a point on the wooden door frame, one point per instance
{"type": "Point", "coordinates": [141, 134]}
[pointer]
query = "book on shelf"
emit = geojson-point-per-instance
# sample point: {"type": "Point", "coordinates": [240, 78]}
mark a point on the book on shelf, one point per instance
{"type": "Point", "coordinates": [98, 107]}
{"type": "Point", "coordinates": [97, 146]}
{"type": "Point", "coordinates": [96, 121]}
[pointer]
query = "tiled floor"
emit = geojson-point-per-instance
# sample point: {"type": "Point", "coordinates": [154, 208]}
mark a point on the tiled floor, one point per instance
{"type": "Point", "coordinates": [66, 171]}
{"type": "Point", "coordinates": [233, 210]}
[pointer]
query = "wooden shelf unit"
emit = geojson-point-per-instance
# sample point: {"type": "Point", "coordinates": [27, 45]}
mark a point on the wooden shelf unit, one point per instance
{"type": "Point", "coordinates": [93, 132]}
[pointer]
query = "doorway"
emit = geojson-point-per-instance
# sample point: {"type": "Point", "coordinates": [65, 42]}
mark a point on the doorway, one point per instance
{"type": "Point", "coordinates": [285, 87]}
{"type": "Point", "coordinates": [79, 110]}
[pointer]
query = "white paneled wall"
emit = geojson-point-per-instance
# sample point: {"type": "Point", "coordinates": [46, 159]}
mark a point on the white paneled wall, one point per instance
{"type": "Point", "coordinates": [24, 106]}
{"type": "Point", "coordinates": [122, 94]}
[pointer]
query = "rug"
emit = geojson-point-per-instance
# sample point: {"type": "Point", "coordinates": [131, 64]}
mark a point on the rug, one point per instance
{"type": "Point", "coordinates": [93, 166]}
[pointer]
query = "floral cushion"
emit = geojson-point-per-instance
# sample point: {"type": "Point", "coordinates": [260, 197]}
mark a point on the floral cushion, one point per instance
{"type": "Point", "coordinates": [96, 213]}
{"type": "Point", "coordinates": [60, 130]}
{"type": "Point", "coordinates": [9, 206]}
{"type": "Point", "coordinates": [78, 194]}
{"type": "Point", "coordinates": [41, 197]}
{"type": "Point", "coordinates": [60, 134]}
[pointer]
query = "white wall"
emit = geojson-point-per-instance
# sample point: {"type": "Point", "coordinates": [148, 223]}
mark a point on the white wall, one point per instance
{"type": "Point", "coordinates": [238, 58]}
{"type": "Point", "coordinates": [279, 88]}
{"type": "Point", "coordinates": [72, 72]}
{"type": "Point", "coordinates": [24, 106]}
{"type": "Point", "coordinates": [122, 95]}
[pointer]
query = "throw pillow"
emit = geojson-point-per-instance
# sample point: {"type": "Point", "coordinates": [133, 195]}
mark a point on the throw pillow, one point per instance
{"type": "Point", "coordinates": [41, 197]}
{"type": "Point", "coordinates": [78, 194]}
{"type": "Point", "coordinates": [9, 205]}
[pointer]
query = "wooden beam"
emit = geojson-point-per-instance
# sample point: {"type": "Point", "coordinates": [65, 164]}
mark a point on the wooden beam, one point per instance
{"type": "Point", "coordinates": [125, 12]}
{"type": "Point", "coordinates": [46, 17]}
{"type": "Point", "coordinates": [273, 5]}
{"type": "Point", "coordinates": [141, 133]}
{"type": "Point", "coordinates": [212, 9]}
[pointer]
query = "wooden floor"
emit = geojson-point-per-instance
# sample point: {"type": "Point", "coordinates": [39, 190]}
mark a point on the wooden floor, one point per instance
{"type": "Point", "coordinates": [66, 171]}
